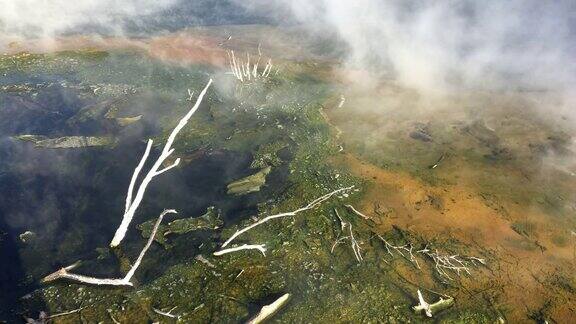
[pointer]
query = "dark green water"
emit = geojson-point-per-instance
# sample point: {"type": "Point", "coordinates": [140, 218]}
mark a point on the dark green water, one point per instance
{"type": "Point", "coordinates": [72, 199]}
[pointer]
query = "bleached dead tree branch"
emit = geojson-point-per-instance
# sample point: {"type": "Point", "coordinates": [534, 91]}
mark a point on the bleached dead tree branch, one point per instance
{"type": "Point", "coordinates": [357, 212]}
{"type": "Point", "coordinates": [259, 247]}
{"type": "Point", "coordinates": [443, 263]}
{"type": "Point", "coordinates": [311, 205]}
{"type": "Point", "coordinates": [404, 251]}
{"type": "Point", "coordinates": [65, 273]}
{"type": "Point", "coordinates": [132, 204]}
{"type": "Point", "coordinates": [269, 310]}
{"type": "Point", "coordinates": [455, 263]}
{"type": "Point", "coordinates": [245, 71]}
{"type": "Point", "coordinates": [168, 313]}
{"type": "Point", "coordinates": [355, 245]}
{"type": "Point", "coordinates": [340, 239]}
{"type": "Point", "coordinates": [431, 309]}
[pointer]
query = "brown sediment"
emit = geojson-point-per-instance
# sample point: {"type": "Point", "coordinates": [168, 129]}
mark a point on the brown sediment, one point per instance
{"type": "Point", "coordinates": [530, 271]}
{"type": "Point", "coordinates": [187, 48]}
{"type": "Point", "coordinates": [523, 277]}
{"type": "Point", "coordinates": [182, 47]}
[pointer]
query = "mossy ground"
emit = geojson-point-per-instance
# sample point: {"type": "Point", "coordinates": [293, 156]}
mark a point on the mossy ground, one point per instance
{"type": "Point", "coordinates": [279, 122]}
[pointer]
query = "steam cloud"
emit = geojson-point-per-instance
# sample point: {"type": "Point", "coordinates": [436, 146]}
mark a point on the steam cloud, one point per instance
{"type": "Point", "coordinates": [40, 18]}
{"type": "Point", "coordinates": [446, 45]}
{"type": "Point", "coordinates": [433, 46]}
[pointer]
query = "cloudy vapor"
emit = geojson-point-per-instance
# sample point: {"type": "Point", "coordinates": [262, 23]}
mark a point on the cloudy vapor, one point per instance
{"type": "Point", "coordinates": [433, 46]}
{"type": "Point", "coordinates": [445, 45]}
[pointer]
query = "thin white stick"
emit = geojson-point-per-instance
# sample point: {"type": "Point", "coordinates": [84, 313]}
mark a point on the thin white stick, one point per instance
{"type": "Point", "coordinates": [356, 211]}
{"type": "Point", "coordinates": [175, 164]}
{"type": "Point", "coordinates": [268, 65]}
{"type": "Point", "coordinates": [269, 69]}
{"type": "Point", "coordinates": [311, 205]}
{"type": "Point", "coordinates": [230, 61]}
{"type": "Point", "coordinates": [167, 314]}
{"type": "Point", "coordinates": [255, 71]}
{"type": "Point", "coordinates": [64, 274]}
{"type": "Point", "coordinates": [136, 173]}
{"type": "Point", "coordinates": [190, 95]}
{"type": "Point", "coordinates": [339, 238]}
{"type": "Point", "coordinates": [147, 246]}
{"type": "Point", "coordinates": [248, 66]}
{"type": "Point", "coordinates": [166, 152]}
{"type": "Point", "coordinates": [236, 69]}
{"type": "Point", "coordinates": [66, 313]}
{"type": "Point", "coordinates": [355, 246]}
{"type": "Point", "coordinates": [269, 310]}
{"type": "Point", "coordinates": [259, 247]}
{"type": "Point", "coordinates": [246, 71]}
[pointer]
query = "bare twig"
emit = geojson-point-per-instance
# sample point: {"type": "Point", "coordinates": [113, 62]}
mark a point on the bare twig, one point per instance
{"type": "Point", "coordinates": [259, 247]}
{"type": "Point", "coordinates": [190, 95]}
{"type": "Point", "coordinates": [356, 211]}
{"type": "Point", "coordinates": [132, 204]}
{"type": "Point", "coordinates": [404, 251]}
{"type": "Point", "coordinates": [269, 310]}
{"type": "Point", "coordinates": [65, 274]}
{"type": "Point", "coordinates": [245, 71]}
{"type": "Point", "coordinates": [311, 205]}
{"type": "Point", "coordinates": [455, 263]}
{"type": "Point", "coordinates": [355, 246]}
{"type": "Point", "coordinates": [423, 305]}
{"type": "Point", "coordinates": [112, 317]}
{"type": "Point", "coordinates": [167, 314]}
{"type": "Point", "coordinates": [340, 239]}
{"type": "Point", "coordinates": [66, 313]}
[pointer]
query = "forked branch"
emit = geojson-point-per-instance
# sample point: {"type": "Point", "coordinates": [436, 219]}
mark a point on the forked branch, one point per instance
{"type": "Point", "coordinates": [311, 205]}
{"type": "Point", "coordinates": [133, 203]}
{"type": "Point", "coordinates": [65, 273]}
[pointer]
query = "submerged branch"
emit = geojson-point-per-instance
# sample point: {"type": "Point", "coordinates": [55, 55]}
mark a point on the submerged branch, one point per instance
{"type": "Point", "coordinates": [356, 211]}
{"type": "Point", "coordinates": [132, 204]}
{"type": "Point", "coordinates": [269, 310]}
{"type": "Point", "coordinates": [259, 247]}
{"type": "Point", "coordinates": [311, 205]}
{"type": "Point", "coordinates": [64, 273]}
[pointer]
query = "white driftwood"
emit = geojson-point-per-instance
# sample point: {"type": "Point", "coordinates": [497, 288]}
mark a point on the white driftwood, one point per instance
{"type": "Point", "coordinates": [431, 309]}
{"type": "Point", "coordinates": [423, 305]}
{"type": "Point", "coordinates": [356, 211]}
{"type": "Point", "coordinates": [269, 310]}
{"type": "Point", "coordinates": [311, 205]}
{"type": "Point", "coordinates": [259, 247]}
{"type": "Point", "coordinates": [65, 274]}
{"type": "Point", "coordinates": [132, 204]}
{"type": "Point", "coordinates": [167, 314]}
